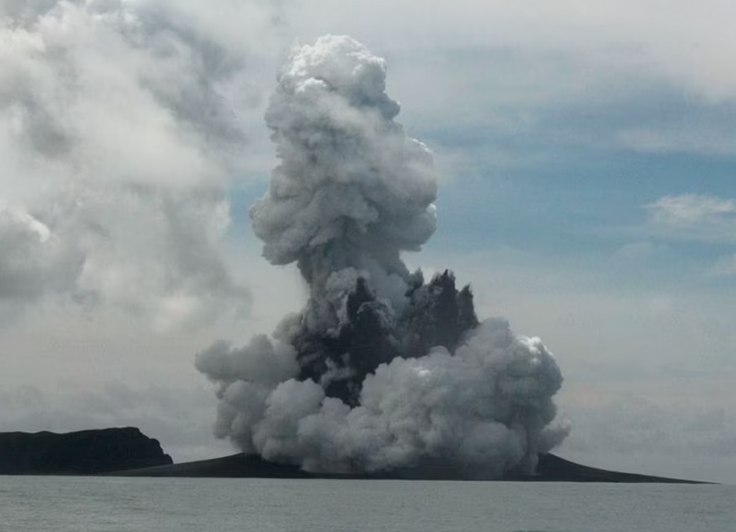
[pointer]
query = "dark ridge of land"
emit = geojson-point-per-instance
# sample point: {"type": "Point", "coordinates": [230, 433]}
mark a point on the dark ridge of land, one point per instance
{"type": "Point", "coordinates": [551, 468]}
{"type": "Point", "coordinates": [556, 469]}
{"type": "Point", "coordinates": [128, 452]}
{"type": "Point", "coordinates": [87, 452]}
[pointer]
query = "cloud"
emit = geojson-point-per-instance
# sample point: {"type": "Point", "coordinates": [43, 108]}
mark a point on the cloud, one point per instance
{"type": "Point", "coordinates": [32, 260]}
{"type": "Point", "coordinates": [692, 209]}
{"type": "Point", "coordinates": [696, 217]}
{"type": "Point", "coordinates": [121, 125]}
{"type": "Point", "coordinates": [508, 66]}
{"type": "Point", "coordinates": [680, 41]}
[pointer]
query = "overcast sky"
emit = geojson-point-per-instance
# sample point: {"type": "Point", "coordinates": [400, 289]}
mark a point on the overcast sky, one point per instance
{"type": "Point", "coordinates": [588, 193]}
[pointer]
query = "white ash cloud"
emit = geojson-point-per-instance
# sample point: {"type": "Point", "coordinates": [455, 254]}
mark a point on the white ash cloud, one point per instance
{"type": "Point", "coordinates": [380, 371]}
{"type": "Point", "coordinates": [120, 124]}
{"type": "Point", "coordinates": [352, 190]}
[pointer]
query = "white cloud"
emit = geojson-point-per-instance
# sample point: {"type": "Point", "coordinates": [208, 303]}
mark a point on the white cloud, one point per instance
{"type": "Point", "coordinates": [678, 40]}
{"type": "Point", "coordinates": [693, 216]}
{"type": "Point", "coordinates": [692, 209]}
{"type": "Point", "coordinates": [121, 125]}
{"type": "Point", "coordinates": [506, 66]}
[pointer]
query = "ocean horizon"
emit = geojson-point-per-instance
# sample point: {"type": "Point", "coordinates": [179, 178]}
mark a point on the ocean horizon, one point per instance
{"type": "Point", "coordinates": [105, 504]}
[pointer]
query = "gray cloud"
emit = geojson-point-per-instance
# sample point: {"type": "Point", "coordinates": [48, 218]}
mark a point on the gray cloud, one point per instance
{"type": "Point", "coordinates": [121, 123]}
{"type": "Point", "coordinates": [700, 218]}
{"type": "Point", "coordinates": [680, 41]}
{"type": "Point", "coordinates": [696, 216]}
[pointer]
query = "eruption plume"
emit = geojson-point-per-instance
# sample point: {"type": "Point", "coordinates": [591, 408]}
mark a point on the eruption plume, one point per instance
{"type": "Point", "coordinates": [381, 371]}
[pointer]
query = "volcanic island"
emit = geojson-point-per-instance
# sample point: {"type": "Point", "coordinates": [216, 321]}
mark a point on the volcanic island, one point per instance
{"type": "Point", "coordinates": [128, 452]}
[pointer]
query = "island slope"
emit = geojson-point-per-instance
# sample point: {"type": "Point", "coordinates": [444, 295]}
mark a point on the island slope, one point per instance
{"type": "Point", "coordinates": [551, 468]}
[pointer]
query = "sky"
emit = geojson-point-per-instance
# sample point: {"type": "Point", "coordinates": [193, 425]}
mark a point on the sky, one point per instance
{"type": "Point", "coordinates": [587, 193]}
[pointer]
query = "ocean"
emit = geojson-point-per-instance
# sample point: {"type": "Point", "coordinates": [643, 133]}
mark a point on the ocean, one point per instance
{"type": "Point", "coordinates": [79, 504]}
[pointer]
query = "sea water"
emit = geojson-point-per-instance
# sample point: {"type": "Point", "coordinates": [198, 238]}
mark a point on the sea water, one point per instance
{"type": "Point", "coordinates": [78, 504]}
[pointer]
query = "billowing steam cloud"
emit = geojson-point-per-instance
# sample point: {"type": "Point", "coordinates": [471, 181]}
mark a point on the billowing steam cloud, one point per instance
{"type": "Point", "coordinates": [120, 122]}
{"type": "Point", "coordinates": [380, 371]}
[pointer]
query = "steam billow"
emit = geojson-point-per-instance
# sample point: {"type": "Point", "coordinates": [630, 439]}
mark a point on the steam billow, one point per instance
{"type": "Point", "coordinates": [383, 371]}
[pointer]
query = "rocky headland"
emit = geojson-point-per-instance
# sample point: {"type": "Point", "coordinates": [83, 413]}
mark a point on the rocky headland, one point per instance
{"type": "Point", "coordinates": [87, 452]}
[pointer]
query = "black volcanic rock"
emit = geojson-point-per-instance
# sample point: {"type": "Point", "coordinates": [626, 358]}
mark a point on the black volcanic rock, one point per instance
{"type": "Point", "coordinates": [78, 453]}
{"type": "Point", "coordinates": [438, 314]}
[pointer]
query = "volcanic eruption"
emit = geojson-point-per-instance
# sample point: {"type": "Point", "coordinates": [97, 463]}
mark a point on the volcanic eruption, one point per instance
{"type": "Point", "coordinates": [382, 370]}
